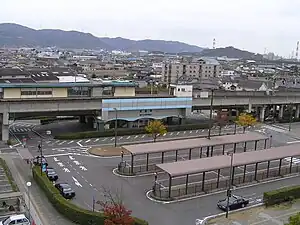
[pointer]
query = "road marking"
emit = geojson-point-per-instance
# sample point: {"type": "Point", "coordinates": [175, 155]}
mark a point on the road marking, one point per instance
{"type": "Point", "coordinates": [128, 137]}
{"type": "Point", "coordinates": [61, 142]}
{"type": "Point", "coordinates": [66, 170]}
{"type": "Point", "coordinates": [171, 134]}
{"type": "Point", "coordinates": [202, 130]}
{"type": "Point", "coordinates": [83, 168]}
{"type": "Point", "coordinates": [165, 134]}
{"type": "Point", "coordinates": [292, 142]}
{"type": "Point", "coordinates": [197, 131]}
{"type": "Point", "coordinates": [120, 138]}
{"type": "Point", "coordinates": [184, 132]}
{"type": "Point", "coordinates": [63, 154]}
{"type": "Point", "coordinates": [112, 139]}
{"type": "Point", "coordinates": [87, 141]}
{"type": "Point", "coordinates": [60, 164]}
{"type": "Point", "coordinates": [78, 142]}
{"type": "Point", "coordinates": [96, 140]}
{"type": "Point", "coordinates": [71, 157]}
{"type": "Point", "coordinates": [56, 142]}
{"type": "Point", "coordinates": [136, 136]}
{"type": "Point", "coordinates": [177, 133]}
{"type": "Point", "coordinates": [47, 142]}
{"type": "Point", "coordinates": [76, 162]}
{"type": "Point", "coordinates": [70, 142]}
{"type": "Point", "coordinates": [76, 182]}
{"type": "Point", "coordinates": [143, 136]}
{"type": "Point", "coordinates": [56, 159]}
{"type": "Point", "coordinates": [91, 185]}
{"type": "Point", "coordinates": [191, 131]}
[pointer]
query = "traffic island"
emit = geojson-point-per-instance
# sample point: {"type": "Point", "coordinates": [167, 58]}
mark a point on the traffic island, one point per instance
{"type": "Point", "coordinates": [107, 151]}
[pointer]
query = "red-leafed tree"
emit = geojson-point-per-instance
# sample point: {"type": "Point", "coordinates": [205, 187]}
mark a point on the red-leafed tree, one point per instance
{"type": "Point", "coordinates": [114, 210]}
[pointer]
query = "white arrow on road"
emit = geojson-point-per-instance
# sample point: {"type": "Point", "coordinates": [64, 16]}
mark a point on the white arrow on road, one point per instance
{"type": "Point", "coordinates": [60, 164]}
{"type": "Point", "coordinates": [71, 157]}
{"type": "Point", "coordinates": [56, 159]}
{"type": "Point", "coordinates": [76, 182]}
{"type": "Point", "coordinates": [77, 163]}
{"type": "Point", "coordinates": [83, 168]}
{"type": "Point", "coordinates": [66, 170]}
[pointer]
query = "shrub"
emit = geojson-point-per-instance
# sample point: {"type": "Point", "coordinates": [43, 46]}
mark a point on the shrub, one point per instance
{"type": "Point", "coordinates": [9, 176]}
{"type": "Point", "coordinates": [281, 195]}
{"type": "Point", "coordinates": [294, 220]}
{"type": "Point", "coordinates": [67, 208]}
{"type": "Point", "coordinates": [126, 131]}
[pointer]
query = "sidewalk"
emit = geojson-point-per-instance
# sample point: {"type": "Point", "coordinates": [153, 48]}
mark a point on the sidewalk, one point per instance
{"type": "Point", "coordinates": [276, 215]}
{"type": "Point", "coordinates": [41, 209]}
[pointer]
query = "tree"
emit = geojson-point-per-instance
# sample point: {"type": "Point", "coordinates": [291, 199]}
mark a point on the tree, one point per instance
{"type": "Point", "coordinates": [222, 119]}
{"type": "Point", "coordinates": [294, 220]}
{"type": "Point", "coordinates": [245, 120]}
{"type": "Point", "coordinates": [156, 128]}
{"type": "Point", "coordinates": [114, 210]}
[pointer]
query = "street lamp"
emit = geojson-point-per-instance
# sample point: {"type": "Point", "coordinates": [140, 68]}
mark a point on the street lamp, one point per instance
{"type": "Point", "coordinates": [28, 184]}
{"type": "Point", "coordinates": [291, 117]}
{"type": "Point", "coordinates": [230, 182]}
{"type": "Point", "coordinates": [210, 113]}
{"type": "Point", "coordinates": [116, 126]}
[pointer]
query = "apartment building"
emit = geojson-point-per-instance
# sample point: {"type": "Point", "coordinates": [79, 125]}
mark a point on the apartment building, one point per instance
{"type": "Point", "coordinates": [197, 69]}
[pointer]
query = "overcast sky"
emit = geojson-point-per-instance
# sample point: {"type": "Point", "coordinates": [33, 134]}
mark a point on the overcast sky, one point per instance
{"type": "Point", "coordinates": [247, 24]}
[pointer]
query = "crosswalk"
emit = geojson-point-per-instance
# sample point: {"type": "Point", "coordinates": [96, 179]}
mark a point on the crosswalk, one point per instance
{"type": "Point", "coordinates": [67, 150]}
{"type": "Point", "coordinates": [275, 128]}
{"type": "Point", "coordinates": [21, 127]}
{"type": "Point", "coordinates": [294, 160]}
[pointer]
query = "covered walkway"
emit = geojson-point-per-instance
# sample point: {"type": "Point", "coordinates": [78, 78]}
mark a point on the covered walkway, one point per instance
{"type": "Point", "coordinates": [144, 157]}
{"type": "Point", "coordinates": [206, 174]}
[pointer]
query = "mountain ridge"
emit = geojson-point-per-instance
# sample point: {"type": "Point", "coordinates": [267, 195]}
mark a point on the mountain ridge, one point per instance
{"type": "Point", "coordinates": [15, 35]}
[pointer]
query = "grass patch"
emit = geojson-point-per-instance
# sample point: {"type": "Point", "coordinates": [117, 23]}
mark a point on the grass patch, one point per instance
{"type": "Point", "coordinates": [9, 175]}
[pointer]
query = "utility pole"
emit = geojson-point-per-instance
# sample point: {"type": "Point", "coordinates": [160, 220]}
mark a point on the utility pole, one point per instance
{"type": "Point", "coordinates": [210, 113]}
{"type": "Point", "coordinates": [230, 182]}
{"type": "Point", "coordinates": [116, 126]}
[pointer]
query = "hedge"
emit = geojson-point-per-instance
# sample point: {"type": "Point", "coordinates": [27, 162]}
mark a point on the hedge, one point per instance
{"type": "Point", "coordinates": [294, 220]}
{"type": "Point", "coordinates": [281, 195]}
{"type": "Point", "coordinates": [126, 131]}
{"type": "Point", "coordinates": [9, 176]}
{"type": "Point", "coordinates": [68, 209]}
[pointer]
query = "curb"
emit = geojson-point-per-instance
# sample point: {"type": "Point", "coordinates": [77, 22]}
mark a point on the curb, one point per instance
{"type": "Point", "coordinates": [217, 192]}
{"type": "Point", "coordinates": [205, 220]}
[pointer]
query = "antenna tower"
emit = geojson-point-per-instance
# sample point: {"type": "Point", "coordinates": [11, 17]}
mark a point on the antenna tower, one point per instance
{"type": "Point", "coordinates": [297, 50]}
{"type": "Point", "coordinates": [214, 43]}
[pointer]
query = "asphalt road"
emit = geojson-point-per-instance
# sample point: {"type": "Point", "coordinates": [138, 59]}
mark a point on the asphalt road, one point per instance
{"type": "Point", "coordinates": [88, 174]}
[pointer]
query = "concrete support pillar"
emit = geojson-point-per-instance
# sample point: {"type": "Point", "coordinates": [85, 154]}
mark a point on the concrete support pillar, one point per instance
{"type": "Point", "coordinates": [130, 124]}
{"type": "Point", "coordinates": [281, 109]}
{"type": "Point", "coordinates": [262, 114]}
{"type": "Point", "coordinates": [5, 126]}
{"type": "Point", "coordinates": [249, 108]}
{"type": "Point", "coordinates": [81, 119]}
{"type": "Point", "coordinates": [297, 111]}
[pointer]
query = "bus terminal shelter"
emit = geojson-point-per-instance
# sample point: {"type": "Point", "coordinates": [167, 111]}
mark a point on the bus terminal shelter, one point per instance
{"type": "Point", "coordinates": [199, 176]}
{"type": "Point", "coordinates": [144, 157]}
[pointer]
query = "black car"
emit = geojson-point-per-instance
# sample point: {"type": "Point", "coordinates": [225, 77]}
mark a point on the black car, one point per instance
{"type": "Point", "coordinates": [38, 159]}
{"type": "Point", "coordinates": [65, 190]}
{"type": "Point", "coordinates": [51, 174]}
{"type": "Point", "coordinates": [235, 202]}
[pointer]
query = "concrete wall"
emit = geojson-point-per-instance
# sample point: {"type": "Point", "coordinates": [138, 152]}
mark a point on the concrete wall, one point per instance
{"type": "Point", "coordinates": [124, 91]}
{"type": "Point", "coordinates": [11, 93]}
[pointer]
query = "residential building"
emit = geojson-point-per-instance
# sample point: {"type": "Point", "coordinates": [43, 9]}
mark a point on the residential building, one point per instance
{"type": "Point", "coordinates": [203, 68]}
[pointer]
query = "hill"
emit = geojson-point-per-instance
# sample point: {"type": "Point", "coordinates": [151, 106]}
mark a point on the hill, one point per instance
{"type": "Point", "coordinates": [14, 35]}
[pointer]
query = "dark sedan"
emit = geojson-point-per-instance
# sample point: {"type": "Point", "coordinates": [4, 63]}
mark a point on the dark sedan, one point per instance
{"type": "Point", "coordinates": [51, 174]}
{"type": "Point", "coordinates": [235, 202]}
{"type": "Point", "coordinates": [65, 190]}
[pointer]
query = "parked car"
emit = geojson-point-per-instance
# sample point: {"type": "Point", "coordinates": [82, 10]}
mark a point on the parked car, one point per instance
{"type": "Point", "coordinates": [15, 219]}
{"type": "Point", "coordinates": [65, 190]}
{"type": "Point", "coordinates": [38, 159]}
{"type": "Point", "coordinates": [235, 202]}
{"type": "Point", "coordinates": [51, 174]}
